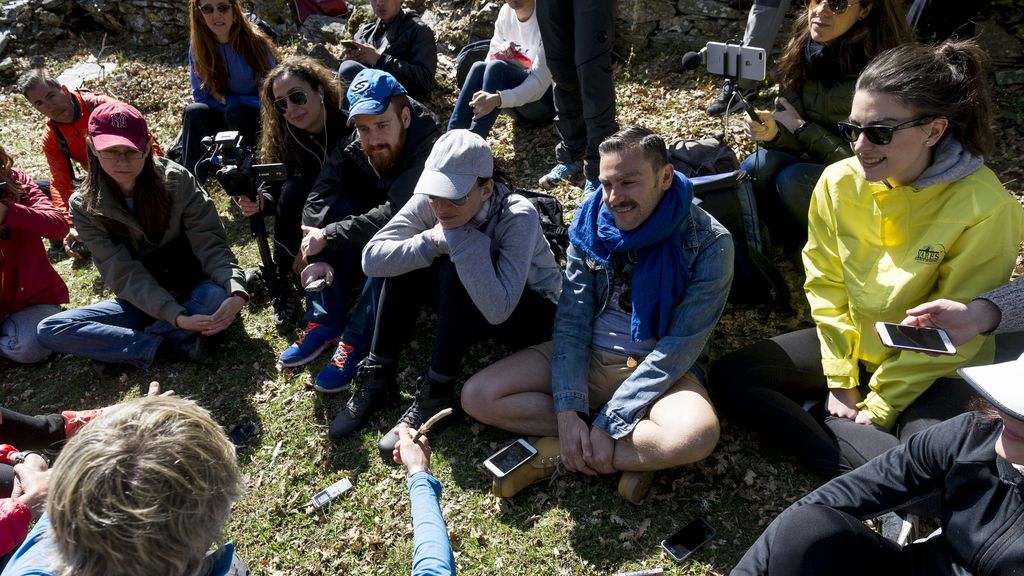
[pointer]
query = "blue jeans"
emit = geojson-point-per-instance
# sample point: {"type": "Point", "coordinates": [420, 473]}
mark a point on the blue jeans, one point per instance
{"type": "Point", "coordinates": [782, 177]}
{"type": "Point", "coordinates": [18, 334]}
{"type": "Point", "coordinates": [117, 331]}
{"type": "Point", "coordinates": [359, 331]}
{"type": "Point", "coordinates": [329, 307]}
{"type": "Point", "coordinates": [493, 76]}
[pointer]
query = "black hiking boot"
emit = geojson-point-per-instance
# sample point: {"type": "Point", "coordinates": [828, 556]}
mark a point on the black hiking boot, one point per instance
{"type": "Point", "coordinates": [375, 385]}
{"type": "Point", "coordinates": [430, 399]}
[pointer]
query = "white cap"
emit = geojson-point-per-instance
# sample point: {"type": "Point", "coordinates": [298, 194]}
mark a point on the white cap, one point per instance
{"type": "Point", "coordinates": [1002, 384]}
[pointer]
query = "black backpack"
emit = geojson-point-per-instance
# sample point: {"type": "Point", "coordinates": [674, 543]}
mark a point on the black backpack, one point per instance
{"type": "Point", "coordinates": [552, 223]}
{"type": "Point", "coordinates": [726, 192]}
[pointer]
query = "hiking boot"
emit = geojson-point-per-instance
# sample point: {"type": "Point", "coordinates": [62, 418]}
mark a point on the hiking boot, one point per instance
{"type": "Point", "coordinates": [312, 342]}
{"type": "Point", "coordinates": [287, 312]}
{"type": "Point", "coordinates": [340, 371]}
{"type": "Point", "coordinates": [591, 186]}
{"type": "Point", "coordinates": [430, 399]}
{"type": "Point", "coordinates": [198, 350]}
{"type": "Point", "coordinates": [253, 277]}
{"type": "Point", "coordinates": [633, 486]}
{"type": "Point", "coordinates": [375, 385]}
{"type": "Point", "coordinates": [562, 172]}
{"type": "Point", "coordinates": [541, 466]}
{"type": "Point", "coordinates": [728, 102]}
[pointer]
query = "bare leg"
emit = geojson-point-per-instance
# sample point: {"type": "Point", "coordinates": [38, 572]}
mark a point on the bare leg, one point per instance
{"type": "Point", "coordinates": [681, 428]}
{"type": "Point", "coordinates": [514, 394]}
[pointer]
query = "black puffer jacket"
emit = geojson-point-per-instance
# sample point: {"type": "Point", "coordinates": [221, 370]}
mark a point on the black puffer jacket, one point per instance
{"type": "Point", "coordinates": [982, 500]}
{"type": "Point", "coordinates": [348, 175]}
{"type": "Point", "coordinates": [408, 51]}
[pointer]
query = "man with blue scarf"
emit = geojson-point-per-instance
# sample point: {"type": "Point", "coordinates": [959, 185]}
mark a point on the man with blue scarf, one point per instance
{"type": "Point", "coordinates": [621, 384]}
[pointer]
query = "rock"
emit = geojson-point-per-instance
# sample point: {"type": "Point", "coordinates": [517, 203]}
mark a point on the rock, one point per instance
{"type": "Point", "coordinates": [1009, 77]}
{"type": "Point", "coordinates": [5, 37]}
{"type": "Point", "coordinates": [634, 11]}
{"type": "Point", "coordinates": [319, 28]}
{"type": "Point", "coordinates": [710, 8]}
{"type": "Point", "coordinates": [482, 22]}
{"type": "Point", "coordinates": [318, 52]}
{"type": "Point", "coordinates": [9, 66]}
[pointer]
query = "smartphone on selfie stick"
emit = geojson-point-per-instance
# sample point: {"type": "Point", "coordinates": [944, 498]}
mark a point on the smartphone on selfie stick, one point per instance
{"type": "Point", "coordinates": [737, 62]}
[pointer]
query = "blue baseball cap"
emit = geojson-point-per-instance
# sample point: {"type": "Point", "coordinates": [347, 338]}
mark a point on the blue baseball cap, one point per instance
{"type": "Point", "coordinates": [370, 92]}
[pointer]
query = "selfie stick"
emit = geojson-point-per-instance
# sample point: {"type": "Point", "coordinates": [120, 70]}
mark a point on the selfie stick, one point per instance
{"type": "Point", "coordinates": [430, 423]}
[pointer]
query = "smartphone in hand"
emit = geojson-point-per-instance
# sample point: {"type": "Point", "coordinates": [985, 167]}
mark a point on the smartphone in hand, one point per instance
{"type": "Point", "coordinates": [916, 338]}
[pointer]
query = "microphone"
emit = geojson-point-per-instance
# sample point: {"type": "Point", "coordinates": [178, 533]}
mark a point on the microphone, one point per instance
{"type": "Point", "coordinates": [693, 60]}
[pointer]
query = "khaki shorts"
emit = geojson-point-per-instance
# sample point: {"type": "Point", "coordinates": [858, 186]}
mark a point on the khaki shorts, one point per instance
{"type": "Point", "coordinates": [608, 370]}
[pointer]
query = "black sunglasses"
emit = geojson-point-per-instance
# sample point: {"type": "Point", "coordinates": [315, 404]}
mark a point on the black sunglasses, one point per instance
{"type": "Point", "coordinates": [837, 7]}
{"type": "Point", "coordinates": [209, 8]}
{"type": "Point", "coordinates": [878, 134]}
{"type": "Point", "coordinates": [295, 97]}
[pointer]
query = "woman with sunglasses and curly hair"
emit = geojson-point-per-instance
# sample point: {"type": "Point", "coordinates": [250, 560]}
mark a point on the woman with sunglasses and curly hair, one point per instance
{"type": "Point", "coordinates": [915, 216]}
{"type": "Point", "coordinates": [160, 247]}
{"type": "Point", "coordinates": [30, 289]}
{"type": "Point", "coordinates": [301, 126]}
{"type": "Point", "coordinates": [228, 59]}
{"type": "Point", "coordinates": [831, 43]}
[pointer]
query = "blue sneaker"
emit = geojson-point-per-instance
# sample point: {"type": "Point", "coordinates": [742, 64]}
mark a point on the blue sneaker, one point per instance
{"type": "Point", "coordinates": [591, 186]}
{"type": "Point", "coordinates": [340, 371]}
{"type": "Point", "coordinates": [309, 345]}
{"type": "Point", "coordinates": [562, 172]}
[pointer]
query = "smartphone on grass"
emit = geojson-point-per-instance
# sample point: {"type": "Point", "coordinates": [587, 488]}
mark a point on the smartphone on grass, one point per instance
{"type": "Point", "coordinates": [688, 539]}
{"type": "Point", "coordinates": [916, 338]}
{"type": "Point", "coordinates": [509, 458]}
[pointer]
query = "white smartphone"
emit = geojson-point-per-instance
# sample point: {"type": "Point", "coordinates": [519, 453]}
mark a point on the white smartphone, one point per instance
{"type": "Point", "coordinates": [510, 457]}
{"type": "Point", "coordinates": [916, 338]}
{"type": "Point", "coordinates": [736, 61]}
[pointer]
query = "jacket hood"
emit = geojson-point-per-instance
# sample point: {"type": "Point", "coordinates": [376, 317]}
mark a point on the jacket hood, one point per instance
{"type": "Point", "coordinates": [950, 163]}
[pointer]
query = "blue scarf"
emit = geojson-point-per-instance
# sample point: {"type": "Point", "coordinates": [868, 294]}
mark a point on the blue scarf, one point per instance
{"type": "Point", "coordinates": [661, 273]}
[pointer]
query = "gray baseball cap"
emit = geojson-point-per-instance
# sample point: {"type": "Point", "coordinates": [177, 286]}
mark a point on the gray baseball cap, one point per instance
{"type": "Point", "coordinates": [458, 158]}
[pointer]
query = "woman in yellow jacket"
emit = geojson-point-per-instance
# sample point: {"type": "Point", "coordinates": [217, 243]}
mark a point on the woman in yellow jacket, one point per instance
{"type": "Point", "coordinates": [915, 216]}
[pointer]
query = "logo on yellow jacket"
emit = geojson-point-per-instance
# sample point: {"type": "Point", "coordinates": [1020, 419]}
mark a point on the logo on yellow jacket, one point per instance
{"type": "Point", "coordinates": [930, 254]}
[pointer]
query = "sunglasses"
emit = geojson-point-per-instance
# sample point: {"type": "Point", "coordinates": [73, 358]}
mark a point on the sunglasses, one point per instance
{"type": "Point", "coordinates": [836, 7]}
{"type": "Point", "coordinates": [297, 97]}
{"type": "Point", "coordinates": [878, 134]}
{"type": "Point", "coordinates": [209, 9]}
{"type": "Point", "coordinates": [115, 155]}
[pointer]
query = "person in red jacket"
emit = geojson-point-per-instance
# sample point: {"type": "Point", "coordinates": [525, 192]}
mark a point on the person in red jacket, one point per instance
{"type": "Point", "coordinates": [67, 112]}
{"type": "Point", "coordinates": [27, 501]}
{"type": "Point", "coordinates": [30, 289]}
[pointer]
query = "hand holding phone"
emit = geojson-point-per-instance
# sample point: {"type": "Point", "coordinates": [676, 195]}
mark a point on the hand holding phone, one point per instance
{"type": "Point", "coordinates": [916, 338]}
{"type": "Point", "coordinates": [688, 539]}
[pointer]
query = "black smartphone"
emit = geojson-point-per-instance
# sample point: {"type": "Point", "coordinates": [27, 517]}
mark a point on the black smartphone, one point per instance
{"type": "Point", "coordinates": [688, 539]}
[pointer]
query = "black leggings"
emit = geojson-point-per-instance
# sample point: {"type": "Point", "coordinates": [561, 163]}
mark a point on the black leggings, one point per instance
{"type": "Point", "coordinates": [27, 433]}
{"type": "Point", "coordinates": [814, 539]}
{"type": "Point", "coordinates": [766, 386]}
{"type": "Point", "coordinates": [459, 322]}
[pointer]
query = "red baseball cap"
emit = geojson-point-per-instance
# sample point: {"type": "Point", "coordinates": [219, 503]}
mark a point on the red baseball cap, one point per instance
{"type": "Point", "coordinates": [118, 124]}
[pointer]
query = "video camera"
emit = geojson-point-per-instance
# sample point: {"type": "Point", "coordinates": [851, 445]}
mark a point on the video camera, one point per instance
{"type": "Point", "coordinates": [240, 177]}
{"type": "Point", "coordinates": [731, 60]}
{"type": "Point", "coordinates": [236, 173]}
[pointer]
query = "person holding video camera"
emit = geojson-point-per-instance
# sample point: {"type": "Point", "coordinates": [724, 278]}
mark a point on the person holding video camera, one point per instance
{"type": "Point", "coordinates": [30, 288]}
{"type": "Point", "coordinates": [228, 58]}
{"type": "Point", "coordinates": [831, 43]}
{"type": "Point", "coordinates": [468, 247]}
{"type": "Point", "coordinates": [302, 124]}
{"type": "Point", "coordinates": [160, 248]}
{"type": "Point", "coordinates": [913, 217]}
{"type": "Point", "coordinates": [367, 179]}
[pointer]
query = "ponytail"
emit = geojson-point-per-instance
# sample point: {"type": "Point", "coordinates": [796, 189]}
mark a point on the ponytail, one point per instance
{"type": "Point", "coordinates": [945, 81]}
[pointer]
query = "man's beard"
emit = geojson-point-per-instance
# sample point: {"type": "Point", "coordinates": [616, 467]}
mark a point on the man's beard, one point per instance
{"type": "Point", "coordinates": [383, 156]}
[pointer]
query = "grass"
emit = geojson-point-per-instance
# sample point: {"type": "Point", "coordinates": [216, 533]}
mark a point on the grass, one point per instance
{"type": "Point", "coordinates": [575, 526]}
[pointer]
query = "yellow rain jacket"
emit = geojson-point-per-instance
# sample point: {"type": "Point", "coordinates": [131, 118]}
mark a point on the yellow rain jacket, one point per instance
{"type": "Point", "coordinates": [874, 251]}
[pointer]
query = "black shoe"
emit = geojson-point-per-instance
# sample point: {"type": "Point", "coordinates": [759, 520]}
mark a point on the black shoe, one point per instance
{"type": "Point", "coordinates": [253, 276]}
{"type": "Point", "coordinates": [375, 385]}
{"type": "Point", "coordinates": [728, 102]}
{"type": "Point", "coordinates": [287, 313]}
{"type": "Point", "coordinates": [199, 350]}
{"type": "Point", "coordinates": [430, 399]}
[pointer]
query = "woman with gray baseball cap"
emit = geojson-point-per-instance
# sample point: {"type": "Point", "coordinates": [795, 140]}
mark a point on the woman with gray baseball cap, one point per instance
{"type": "Point", "coordinates": [974, 461]}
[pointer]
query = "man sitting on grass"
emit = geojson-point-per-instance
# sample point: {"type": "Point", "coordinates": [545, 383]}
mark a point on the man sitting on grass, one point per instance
{"type": "Point", "coordinates": [621, 384]}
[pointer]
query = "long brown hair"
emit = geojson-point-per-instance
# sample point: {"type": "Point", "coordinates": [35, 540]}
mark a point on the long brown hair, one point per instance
{"type": "Point", "coordinates": [250, 43]}
{"type": "Point", "coordinates": [13, 186]}
{"type": "Point", "coordinates": [884, 27]}
{"type": "Point", "coordinates": [275, 143]}
{"type": "Point", "coordinates": [152, 202]}
{"type": "Point", "coordinates": [945, 81]}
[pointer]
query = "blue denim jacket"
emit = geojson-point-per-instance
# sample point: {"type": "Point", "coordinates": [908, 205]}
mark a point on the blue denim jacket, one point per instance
{"type": "Point", "coordinates": [585, 293]}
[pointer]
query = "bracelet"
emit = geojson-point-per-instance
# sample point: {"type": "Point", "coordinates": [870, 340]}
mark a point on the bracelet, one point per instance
{"type": "Point", "coordinates": [413, 470]}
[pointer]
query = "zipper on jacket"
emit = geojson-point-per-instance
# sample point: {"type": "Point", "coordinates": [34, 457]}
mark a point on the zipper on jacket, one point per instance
{"type": "Point", "coordinates": [1009, 536]}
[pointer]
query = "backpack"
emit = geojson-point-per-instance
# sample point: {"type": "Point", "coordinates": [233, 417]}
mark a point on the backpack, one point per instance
{"type": "Point", "coordinates": [470, 54]}
{"type": "Point", "coordinates": [727, 194]}
{"type": "Point", "coordinates": [552, 224]}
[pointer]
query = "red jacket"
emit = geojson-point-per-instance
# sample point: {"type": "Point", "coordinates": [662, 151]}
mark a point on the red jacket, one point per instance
{"type": "Point", "coordinates": [26, 275]}
{"type": "Point", "coordinates": [74, 132]}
